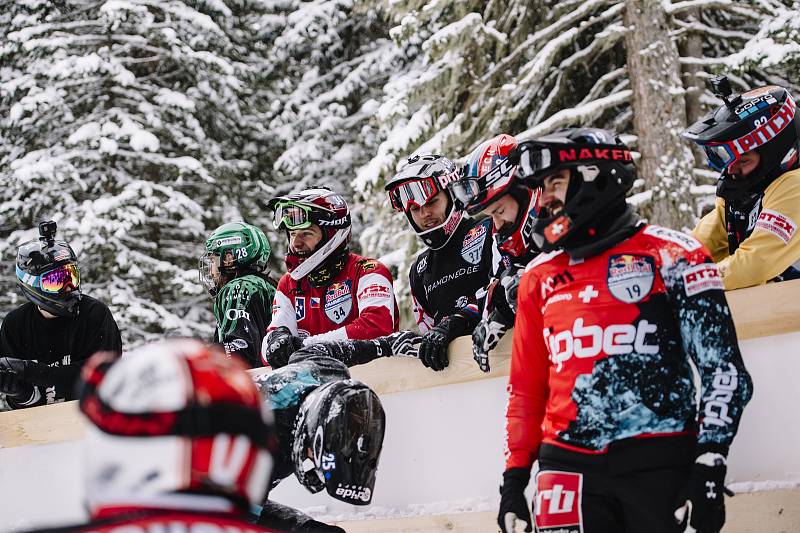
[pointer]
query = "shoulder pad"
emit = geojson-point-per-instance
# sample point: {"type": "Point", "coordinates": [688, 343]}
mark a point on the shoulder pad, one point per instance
{"type": "Point", "coordinates": [542, 258]}
{"type": "Point", "coordinates": [238, 292]}
{"type": "Point", "coordinates": [368, 265]}
{"type": "Point", "coordinates": [687, 242]}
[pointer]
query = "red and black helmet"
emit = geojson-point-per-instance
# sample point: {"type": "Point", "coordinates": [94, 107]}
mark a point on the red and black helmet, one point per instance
{"type": "Point", "coordinates": [763, 120]}
{"type": "Point", "coordinates": [486, 176]}
{"type": "Point", "coordinates": [319, 206]}
{"type": "Point", "coordinates": [489, 175]}
{"type": "Point", "coordinates": [422, 178]}
{"type": "Point", "coordinates": [601, 174]}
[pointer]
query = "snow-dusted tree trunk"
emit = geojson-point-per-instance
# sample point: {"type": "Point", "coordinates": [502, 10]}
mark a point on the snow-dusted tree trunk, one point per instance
{"type": "Point", "coordinates": [659, 114]}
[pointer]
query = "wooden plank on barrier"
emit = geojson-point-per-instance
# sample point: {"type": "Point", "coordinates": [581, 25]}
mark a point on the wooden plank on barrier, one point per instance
{"type": "Point", "coordinates": [41, 425]}
{"type": "Point", "coordinates": [765, 310]}
{"type": "Point", "coordinates": [757, 511]}
{"type": "Point", "coordinates": [761, 311]}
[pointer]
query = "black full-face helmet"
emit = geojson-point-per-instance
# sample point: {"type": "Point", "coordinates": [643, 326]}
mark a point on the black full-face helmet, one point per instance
{"type": "Point", "coordinates": [762, 120]}
{"type": "Point", "coordinates": [338, 439]}
{"type": "Point", "coordinates": [601, 174]}
{"type": "Point", "coordinates": [47, 273]}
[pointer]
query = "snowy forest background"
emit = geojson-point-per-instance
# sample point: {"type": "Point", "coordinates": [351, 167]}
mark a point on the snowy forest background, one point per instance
{"type": "Point", "coordinates": [141, 125]}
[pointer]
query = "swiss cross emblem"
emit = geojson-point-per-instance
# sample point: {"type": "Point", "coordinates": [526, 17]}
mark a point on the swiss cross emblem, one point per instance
{"type": "Point", "coordinates": [587, 294]}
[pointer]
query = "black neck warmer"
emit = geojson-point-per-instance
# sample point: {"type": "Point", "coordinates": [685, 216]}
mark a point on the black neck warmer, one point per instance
{"type": "Point", "coordinates": [329, 268]}
{"type": "Point", "coordinates": [611, 227]}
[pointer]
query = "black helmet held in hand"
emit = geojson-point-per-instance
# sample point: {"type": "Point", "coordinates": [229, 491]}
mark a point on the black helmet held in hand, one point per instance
{"type": "Point", "coordinates": [338, 440]}
{"type": "Point", "coordinates": [601, 172]}
{"type": "Point", "coordinates": [47, 273]}
{"type": "Point", "coordinates": [762, 121]}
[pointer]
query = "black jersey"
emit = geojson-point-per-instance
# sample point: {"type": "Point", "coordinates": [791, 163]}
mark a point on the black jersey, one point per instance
{"type": "Point", "coordinates": [445, 281]}
{"type": "Point", "coordinates": [61, 344]}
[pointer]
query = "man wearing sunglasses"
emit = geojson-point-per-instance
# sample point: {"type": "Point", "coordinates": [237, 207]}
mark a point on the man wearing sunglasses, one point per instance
{"type": "Point", "coordinates": [328, 292]}
{"type": "Point", "coordinates": [613, 320]}
{"type": "Point", "coordinates": [488, 185]}
{"type": "Point", "coordinates": [45, 342]}
{"type": "Point", "coordinates": [753, 141]}
{"type": "Point", "coordinates": [445, 277]}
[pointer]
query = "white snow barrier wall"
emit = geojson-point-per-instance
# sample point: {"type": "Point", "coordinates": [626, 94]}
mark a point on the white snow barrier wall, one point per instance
{"type": "Point", "coordinates": [442, 459]}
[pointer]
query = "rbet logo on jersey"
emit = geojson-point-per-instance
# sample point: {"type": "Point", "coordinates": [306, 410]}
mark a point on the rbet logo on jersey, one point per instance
{"type": "Point", "coordinates": [588, 341]}
{"type": "Point", "coordinates": [558, 502]}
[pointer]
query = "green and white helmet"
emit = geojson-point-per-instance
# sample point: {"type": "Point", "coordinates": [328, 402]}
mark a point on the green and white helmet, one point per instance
{"type": "Point", "coordinates": [233, 249]}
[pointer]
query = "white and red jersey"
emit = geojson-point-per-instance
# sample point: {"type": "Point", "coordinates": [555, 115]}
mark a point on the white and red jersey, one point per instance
{"type": "Point", "coordinates": [357, 304]}
{"type": "Point", "coordinates": [602, 349]}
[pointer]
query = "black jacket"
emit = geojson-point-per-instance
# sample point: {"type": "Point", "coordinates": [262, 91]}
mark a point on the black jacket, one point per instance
{"type": "Point", "coordinates": [60, 345]}
{"type": "Point", "coordinates": [444, 281]}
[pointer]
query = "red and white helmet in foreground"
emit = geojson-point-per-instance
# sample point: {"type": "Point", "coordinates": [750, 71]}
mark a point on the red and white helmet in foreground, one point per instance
{"type": "Point", "coordinates": [174, 417]}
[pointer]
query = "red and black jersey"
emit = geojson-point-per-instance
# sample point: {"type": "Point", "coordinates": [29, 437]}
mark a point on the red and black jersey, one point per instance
{"type": "Point", "coordinates": [602, 349]}
{"type": "Point", "coordinates": [357, 304]}
{"type": "Point", "coordinates": [128, 519]}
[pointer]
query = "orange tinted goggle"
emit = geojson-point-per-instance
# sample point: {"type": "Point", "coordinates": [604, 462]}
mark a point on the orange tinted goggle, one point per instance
{"type": "Point", "coordinates": [418, 192]}
{"type": "Point", "coordinates": [60, 277]}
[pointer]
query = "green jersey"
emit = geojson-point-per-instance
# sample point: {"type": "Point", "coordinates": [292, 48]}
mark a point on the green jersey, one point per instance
{"type": "Point", "coordinates": [243, 310]}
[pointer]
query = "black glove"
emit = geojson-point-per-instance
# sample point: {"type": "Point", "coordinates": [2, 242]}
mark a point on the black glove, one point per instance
{"type": "Point", "coordinates": [400, 344]}
{"type": "Point", "coordinates": [487, 334]}
{"type": "Point", "coordinates": [314, 526]}
{"type": "Point", "coordinates": [15, 387]}
{"type": "Point", "coordinates": [279, 345]}
{"type": "Point", "coordinates": [19, 367]}
{"type": "Point", "coordinates": [701, 503]}
{"type": "Point", "coordinates": [433, 350]}
{"type": "Point", "coordinates": [513, 505]}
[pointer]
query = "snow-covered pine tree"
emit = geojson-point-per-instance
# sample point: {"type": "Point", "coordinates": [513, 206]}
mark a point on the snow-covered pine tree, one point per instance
{"type": "Point", "coordinates": [328, 63]}
{"type": "Point", "coordinates": [124, 122]}
{"type": "Point", "coordinates": [473, 70]}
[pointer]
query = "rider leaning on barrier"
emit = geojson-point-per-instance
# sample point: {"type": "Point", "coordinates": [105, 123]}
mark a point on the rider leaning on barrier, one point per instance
{"type": "Point", "coordinates": [45, 342]}
{"type": "Point", "coordinates": [328, 293]}
{"type": "Point", "coordinates": [753, 140]}
{"type": "Point", "coordinates": [488, 185]}
{"type": "Point", "coordinates": [330, 427]}
{"type": "Point", "coordinates": [610, 320]}
{"type": "Point", "coordinates": [233, 270]}
{"type": "Point", "coordinates": [445, 277]}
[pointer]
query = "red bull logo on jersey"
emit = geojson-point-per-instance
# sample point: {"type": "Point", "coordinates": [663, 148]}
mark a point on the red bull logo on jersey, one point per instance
{"type": "Point", "coordinates": [473, 244]}
{"type": "Point", "coordinates": [630, 277]}
{"type": "Point", "coordinates": [339, 301]}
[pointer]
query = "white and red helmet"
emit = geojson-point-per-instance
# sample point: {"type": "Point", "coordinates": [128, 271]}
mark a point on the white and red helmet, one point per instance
{"type": "Point", "coordinates": [487, 175]}
{"type": "Point", "coordinates": [320, 206]}
{"type": "Point", "coordinates": [174, 417]}
{"type": "Point", "coordinates": [419, 181]}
